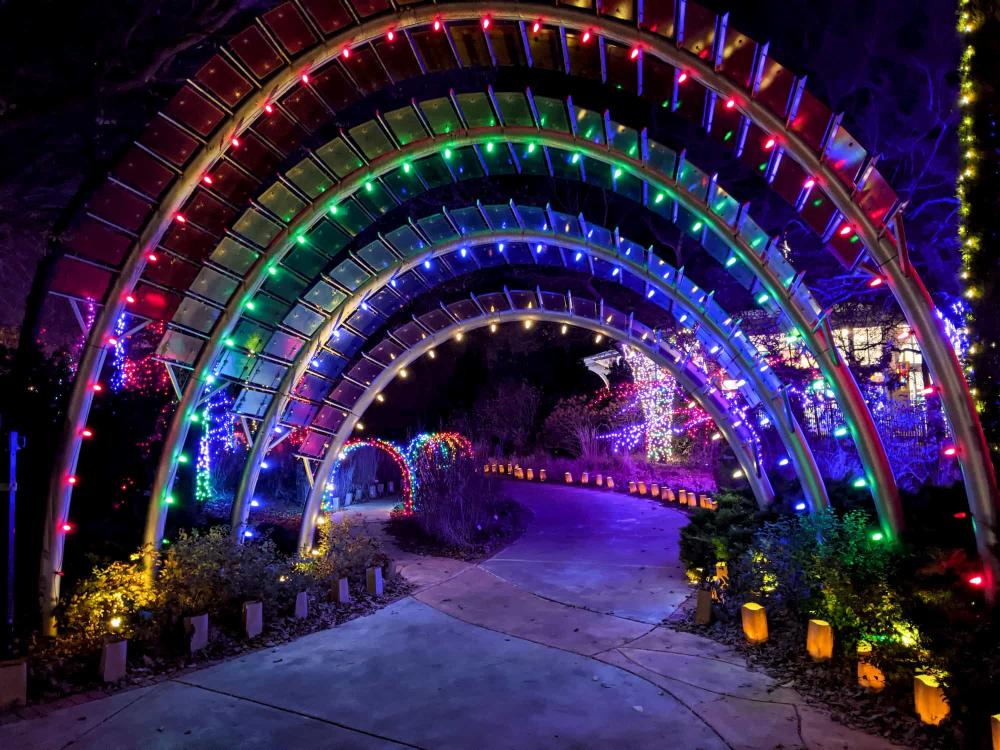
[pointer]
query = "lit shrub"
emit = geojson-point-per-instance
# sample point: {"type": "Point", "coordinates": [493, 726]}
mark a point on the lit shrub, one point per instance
{"type": "Point", "coordinates": [115, 599]}
{"type": "Point", "coordinates": [722, 535]}
{"type": "Point", "coordinates": [342, 552]}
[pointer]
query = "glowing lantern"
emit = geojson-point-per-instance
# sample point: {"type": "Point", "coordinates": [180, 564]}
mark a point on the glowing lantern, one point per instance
{"type": "Point", "coordinates": [929, 700]}
{"type": "Point", "coordinates": [632, 487]}
{"type": "Point", "coordinates": [510, 468]}
{"type": "Point", "coordinates": [654, 490]}
{"type": "Point", "coordinates": [568, 477]}
{"type": "Point", "coordinates": [682, 497]}
{"type": "Point", "coordinates": [754, 622]}
{"type": "Point", "coordinates": [703, 501]}
{"type": "Point", "coordinates": [995, 726]}
{"type": "Point", "coordinates": [722, 570]}
{"type": "Point", "coordinates": [692, 500]}
{"type": "Point", "coordinates": [493, 468]}
{"type": "Point", "coordinates": [819, 640]}
{"type": "Point", "coordinates": [486, 469]}
{"type": "Point", "coordinates": [585, 478]}
{"type": "Point", "coordinates": [669, 495]}
{"type": "Point", "coordinates": [501, 468]}
{"type": "Point", "coordinates": [518, 472]}
{"type": "Point", "coordinates": [870, 677]}
{"type": "Point", "coordinates": [541, 475]}
{"type": "Point", "coordinates": [530, 474]}
{"type": "Point", "coordinates": [642, 488]}
{"type": "Point", "coordinates": [599, 480]}
{"type": "Point", "coordinates": [611, 483]}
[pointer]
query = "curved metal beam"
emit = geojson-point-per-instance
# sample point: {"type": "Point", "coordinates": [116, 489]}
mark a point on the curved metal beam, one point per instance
{"type": "Point", "coordinates": [756, 476]}
{"type": "Point", "coordinates": [789, 430]}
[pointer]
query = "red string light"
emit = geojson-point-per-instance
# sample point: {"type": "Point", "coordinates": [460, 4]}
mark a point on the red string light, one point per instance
{"type": "Point", "coordinates": [130, 299]}
{"type": "Point", "coordinates": [72, 479]}
{"type": "Point", "coordinates": [152, 257]}
{"type": "Point", "coordinates": [961, 514]}
{"type": "Point", "coordinates": [769, 144]}
{"type": "Point", "coordinates": [730, 103]}
{"type": "Point", "coordinates": [586, 36]}
{"type": "Point", "coordinates": [180, 218]}
{"type": "Point", "coordinates": [207, 179]}
{"type": "Point", "coordinates": [975, 580]}
{"type": "Point", "coordinates": [269, 109]}
{"type": "Point", "coordinates": [845, 230]}
{"type": "Point", "coordinates": [305, 76]}
{"type": "Point", "coordinates": [235, 141]}
{"type": "Point", "coordinates": [486, 22]}
{"type": "Point", "coordinates": [951, 450]}
{"type": "Point", "coordinates": [808, 184]}
{"type": "Point", "coordinates": [390, 35]}
{"type": "Point", "coordinates": [634, 54]}
{"type": "Point", "coordinates": [346, 53]}
{"type": "Point", "coordinates": [97, 387]}
{"type": "Point", "coordinates": [877, 281]}
{"type": "Point", "coordinates": [86, 432]}
{"type": "Point", "coordinates": [929, 390]}
{"type": "Point", "coordinates": [66, 527]}
{"type": "Point", "coordinates": [437, 24]}
{"type": "Point", "coordinates": [536, 26]}
{"type": "Point", "coordinates": [682, 77]}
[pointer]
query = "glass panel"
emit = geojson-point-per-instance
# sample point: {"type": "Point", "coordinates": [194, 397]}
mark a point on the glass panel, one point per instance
{"type": "Point", "coordinates": [196, 315]}
{"type": "Point", "coordinates": [214, 285]}
{"type": "Point", "coordinates": [281, 201]}
{"type": "Point", "coordinates": [304, 320]}
{"type": "Point", "coordinates": [477, 110]}
{"type": "Point", "coordinates": [325, 296]}
{"type": "Point", "coordinates": [406, 241]}
{"type": "Point", "coordinates": [339, 157]}
{"type": "Point", "coordinates": [234, 256]}
{"type": "Point", "coordinates": [437, 227]}
{"type": "Point", "coordinates": [589, 125]}
{"type": "Point", "coordinates": [552, 114]}
{"type": "Point", "coordinates": [371, 139]}
{"type": "Point", "coordinates": [256, 227]}
{"type": "Point", "coordinates": [351, 217]}
{"type": "Point", "coordinates": [625, 140]}
{"type": "Point", "coordinates": [405, 125]}
{"type": "Point", "coordinates": [440, 115]}
{"type": "Point", "coordinates": [350, 274]}
{"type": "Point", "coordinates": [469, 220]}
{"type": "Point", "coordinates": [309, 178]}
{"type": "Point", "coordinates": [500, 216]}
{"type": "Point", "coordinates": [376, 255]}
{"type": "Point", "coordinates": [514, 109]}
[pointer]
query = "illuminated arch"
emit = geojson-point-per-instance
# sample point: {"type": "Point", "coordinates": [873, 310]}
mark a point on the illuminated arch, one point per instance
{"type": "Point", "coordinates": [394, 452]}
{"type": "Point", "coordinates": [483, 310]}
{"type": "Point", "coordinates": [689, 305]}
{"type": "Point", "coordinates": [768, 98]}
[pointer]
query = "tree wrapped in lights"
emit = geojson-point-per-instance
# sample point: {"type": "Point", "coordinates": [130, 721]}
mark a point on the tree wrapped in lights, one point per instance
{"type": "Point", "coordinates": [217, 433]}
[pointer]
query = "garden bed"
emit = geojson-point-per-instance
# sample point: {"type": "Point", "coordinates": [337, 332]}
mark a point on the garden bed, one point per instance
{"type": "Point", "coordinates": [832, 684]}
{"type": "Point", "coordinates": [509, 523]}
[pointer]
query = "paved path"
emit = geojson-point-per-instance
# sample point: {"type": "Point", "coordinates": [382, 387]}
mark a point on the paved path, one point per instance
{"type": "Point", "coordinates": [553, 643]}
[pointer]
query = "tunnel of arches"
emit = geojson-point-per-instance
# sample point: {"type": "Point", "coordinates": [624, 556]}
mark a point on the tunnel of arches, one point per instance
{"type": "Point", "coordinates": [332, 169]}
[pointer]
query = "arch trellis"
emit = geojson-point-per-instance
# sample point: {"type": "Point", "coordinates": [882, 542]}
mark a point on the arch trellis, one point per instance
{"type": "Point", "coordinates": [623, 262]}
{"type": "Point", "coordinates": [286, 74]}
{"type": "Point", "coordinates": [398, 456]}
{"type": "Point", "coordinates": [417, 338]}
{"type": "Point", "coordinates": [725, 220]}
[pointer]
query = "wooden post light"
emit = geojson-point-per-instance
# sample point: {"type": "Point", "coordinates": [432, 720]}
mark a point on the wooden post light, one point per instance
{"type": "Point", "coordinates": [870, 677]}
{"type": "Point", "coordinates": [928, 698]}
{"type": "Point", "coordinates": [819, 640]}
{"type": "Point", "coordinates": [754, 622]}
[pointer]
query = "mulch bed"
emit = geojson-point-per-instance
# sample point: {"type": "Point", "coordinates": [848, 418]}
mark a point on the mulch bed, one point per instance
{"type": "Point", "coordinates": [57, 682]}
{"type": "Point", "coordinates": [831, 685]}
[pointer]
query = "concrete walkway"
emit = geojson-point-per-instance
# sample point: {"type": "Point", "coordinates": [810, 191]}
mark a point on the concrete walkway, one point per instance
{"type": "Point", "coordinates": [553, 643]}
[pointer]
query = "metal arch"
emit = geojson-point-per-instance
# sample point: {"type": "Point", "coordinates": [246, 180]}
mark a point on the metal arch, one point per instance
{"type": "Point", "coordinates": [755, 474]}
{"type": "Point", "coordinates": [416, 150]}
{"type": "Point", "coordinates": [789, 430]}
{"type": "Point", "coordinates": [973, 453]}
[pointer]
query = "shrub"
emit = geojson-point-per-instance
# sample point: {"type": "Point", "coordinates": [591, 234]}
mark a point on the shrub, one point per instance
{"type": "Point", "coordinates": [720, 535]}
{"type": "Point", "coordinates": [829, 567]}
{"type": "Point", "coordinates": [111, 600]}
{"type": "Point", "coordinates": [341, 552]}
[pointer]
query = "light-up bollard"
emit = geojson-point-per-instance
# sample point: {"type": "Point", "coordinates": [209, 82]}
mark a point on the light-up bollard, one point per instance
{"type": "Point", "coordinates": [611, 483]}
{"type": "Point", "coordinates": [682, 497]}
{"type": "Point", "coordinates": [703, 500]}
{"type": "Point", "coordinates": [632, 487]}
{"type": "Point", "coordinates": [692, 500]}
{"type": "Point", "coordinates": [493, 468]}
{"type": "Point", "coordinates": [670, 496]}
{"type": "Point", "coordinates": [585, 477]}
{"type": "Point", "coordinates": [929, 700]}
{"type": "Point", "coordinates": [541, 475]}
{"type": "Point", "coordinates": [654, 490]}
{"type": "Point", "coordinates": [529, 474]}
{"type": "Point", "coordinates": [754, 622]}
{"type": "Point", "coordinates": [502, 469]}
{"type": "Point", "coordinates": [486, 468]}
{"type": "Point", "coordinates": [722, 571]}
{"type": "Point", "coordinates": [642, 489]}
{"type": "Point", "coordinates": [819, 640]}
{"type": "Point", "coordinates": [568, 477]}
{"type": "Point", "coordinates": [599, 480]}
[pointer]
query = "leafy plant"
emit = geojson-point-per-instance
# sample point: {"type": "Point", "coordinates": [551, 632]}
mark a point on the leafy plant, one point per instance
{"type": "Point", "coordinates": [716, 536]}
